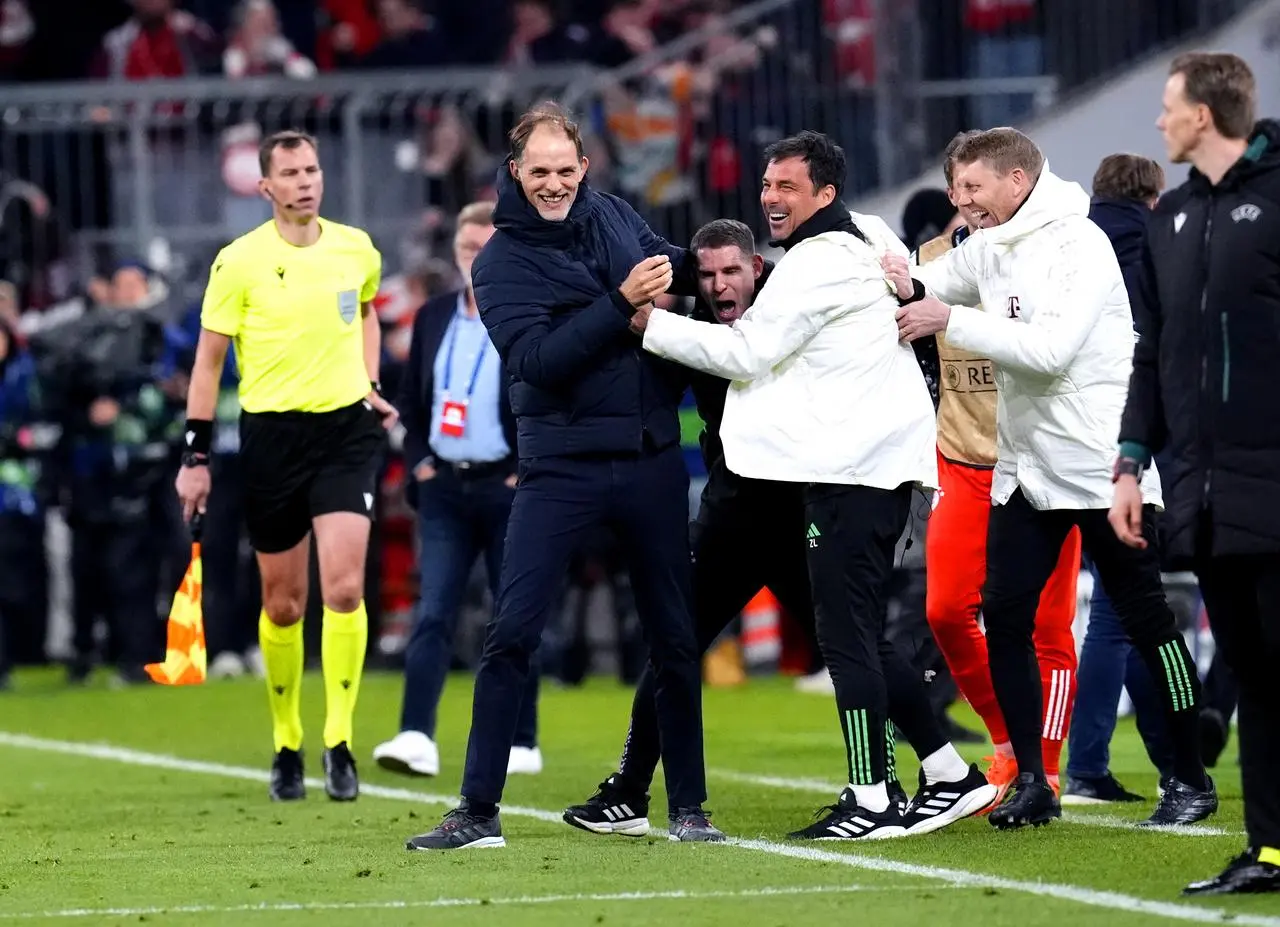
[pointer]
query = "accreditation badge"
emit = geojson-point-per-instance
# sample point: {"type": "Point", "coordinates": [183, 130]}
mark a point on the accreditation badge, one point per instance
{"type": "Point", "coordinates": [453, 418]}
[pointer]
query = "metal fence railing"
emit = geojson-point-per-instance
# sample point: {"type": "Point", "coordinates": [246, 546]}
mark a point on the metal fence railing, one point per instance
{"type": "Point", "coordinates": [171, 166]}
{"type": "Point", "coordinates": [166, 169]}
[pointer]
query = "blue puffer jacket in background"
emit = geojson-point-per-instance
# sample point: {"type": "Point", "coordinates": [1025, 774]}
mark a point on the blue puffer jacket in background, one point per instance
{"type": "Point", "coordinates": [1125, 222]}
{"type": "Point", "coordinates": [19, 400]}
{"type": "Point", "coordinates": [580, 382]}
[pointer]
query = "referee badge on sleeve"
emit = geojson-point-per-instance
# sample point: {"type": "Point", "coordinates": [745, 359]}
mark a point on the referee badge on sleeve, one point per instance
{"type": "Point", "coordinates": [348, 305]}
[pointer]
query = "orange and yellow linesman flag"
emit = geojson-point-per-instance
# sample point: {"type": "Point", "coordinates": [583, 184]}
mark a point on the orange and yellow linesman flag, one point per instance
{"type": "Point", "coordinates": [186, 661]}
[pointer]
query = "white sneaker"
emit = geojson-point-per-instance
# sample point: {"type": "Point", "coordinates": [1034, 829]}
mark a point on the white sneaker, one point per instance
{"type": "Point", "coordinates": [226, 665]}
{"type": "Point", "coordinates": [410, 752]}
{"type": "Point", "coordinates": [818, 683]}
{"type": "Point", "coordinates": [255, 663]}
{"type": "Point", "coordinates": [524, 760]}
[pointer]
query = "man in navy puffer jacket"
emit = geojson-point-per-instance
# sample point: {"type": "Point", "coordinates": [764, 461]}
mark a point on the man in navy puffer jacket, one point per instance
{"type": "Point", "coordinates": [599, 443]}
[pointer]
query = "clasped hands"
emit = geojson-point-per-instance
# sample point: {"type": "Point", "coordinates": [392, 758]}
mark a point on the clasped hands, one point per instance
{"type": "Point", "coordinates": [919, 319]}
{"type": "Point", "coordinates": [647, 281]}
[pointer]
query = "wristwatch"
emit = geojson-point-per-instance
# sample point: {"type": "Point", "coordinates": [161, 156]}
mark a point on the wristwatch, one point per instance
{"type": "Point", "coordinates": [1127, 466]}
{"type": "Point", "coordinates": [194, 459]}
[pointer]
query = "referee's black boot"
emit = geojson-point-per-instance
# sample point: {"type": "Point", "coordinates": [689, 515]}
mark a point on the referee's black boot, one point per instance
{"type": "Point", "coordinates": [1245, 874]}
{"type": "Point", "coordinates": [1031, 801]}
{"type": "Point", "coordinates": [287, 780]}
{"type": "Point", "coordinates": [340, 780]}
{"type": "Point", "coordinates": [613, 809]}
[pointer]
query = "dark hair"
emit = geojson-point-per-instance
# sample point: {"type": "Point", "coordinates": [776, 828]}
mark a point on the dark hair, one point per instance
{"type": "Point", "coordinates": [1003, 150]}
{"type": "Point", "coordinates": [1128, 177]}
{"type": "Point", "coordinates": [289, 139]}
{"type": "Point", "coordinates": [1224, 83]}
{"type": "Point", "coordinates": [824, 158]}
{"type": "Point", "coordinates": [548, 113]}
{"type": "Point", "coordinates": [721, 233]}
{"type": "Point", "coordinates": [949, 154]}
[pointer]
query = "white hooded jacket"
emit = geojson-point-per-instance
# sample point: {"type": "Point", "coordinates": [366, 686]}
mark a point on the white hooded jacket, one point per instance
{"type": "Point", "coordinates": [822, 390]}
{"type": "Point", "coordinates": [1057, 326]}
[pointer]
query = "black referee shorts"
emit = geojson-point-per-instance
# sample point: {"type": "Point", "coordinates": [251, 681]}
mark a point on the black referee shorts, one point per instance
{"type": "Point", "coordinates": [298, 465]}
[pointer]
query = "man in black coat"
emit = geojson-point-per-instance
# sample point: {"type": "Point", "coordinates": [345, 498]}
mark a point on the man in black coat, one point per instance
{"type": "Point", "coordinates": [460, 451]}
{"type": "Point", "coordinates": [598, 440]}
{"type": "Point", "coordinates": [1207, 306]}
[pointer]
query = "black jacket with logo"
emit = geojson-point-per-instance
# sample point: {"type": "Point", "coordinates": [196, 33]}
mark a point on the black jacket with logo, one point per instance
{"type": "Point", "coordinates": [1208, 310]}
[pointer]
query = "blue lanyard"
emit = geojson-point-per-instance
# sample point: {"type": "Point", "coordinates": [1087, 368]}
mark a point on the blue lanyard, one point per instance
{"type": "Point", "coordinates": [448, 362]}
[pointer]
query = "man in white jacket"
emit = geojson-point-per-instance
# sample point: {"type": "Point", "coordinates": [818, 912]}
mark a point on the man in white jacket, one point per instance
{"type": "Point", "coordinates": [822, 393]}
{"type": "Point", "coordinates": [1057, 325]}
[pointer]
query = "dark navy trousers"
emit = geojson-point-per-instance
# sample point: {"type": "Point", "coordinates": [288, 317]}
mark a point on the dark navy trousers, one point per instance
{"type": "Point", "coordinates": [458, 520]}
{"type": "Point", "coordinates": [644, 499]}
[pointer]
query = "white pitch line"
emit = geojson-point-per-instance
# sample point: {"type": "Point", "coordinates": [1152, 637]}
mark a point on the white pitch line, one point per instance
{"type": "Point", "coordinates": [1110, 900]}
{"type": "Point", "coordinates": [275, 907]}
{"type": "Point", "coordinates": [818, 787]}
{"type": "Point", "coordinates": [160, 761]}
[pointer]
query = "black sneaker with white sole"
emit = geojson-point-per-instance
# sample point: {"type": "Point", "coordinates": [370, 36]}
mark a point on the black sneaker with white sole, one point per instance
{"type": "Point", "coordinates": [613, 809]}
{"type": "Point", "coordinates": [846, 820]}
{"type": "Point", "coordinates": [938, 804]}
{"type": "Point", "coordinates": [692, 825]}
{"type": "Point", "coordinates": [1030, 801]}
{"type": "Point", "coordinates": [460, 830]}
{"type": "Point", "coordinates": [1096, 790]}
{"type": "Point", "coordinates": [1182, 804]}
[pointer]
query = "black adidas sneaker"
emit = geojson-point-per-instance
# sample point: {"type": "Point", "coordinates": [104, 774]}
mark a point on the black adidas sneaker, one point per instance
{"type": "Point", "coordinates": [938, 804]}
{"type": "Point", "coordinates": [613, 809]}
{"type": "Point", "coordinates": [846, 820]}
{"type": "Point", "coordinates": [1181, 804]}
{"type": "Point", "coordinates": [460, 830]}
{"type": "Point", "coordinates": [693, 825]}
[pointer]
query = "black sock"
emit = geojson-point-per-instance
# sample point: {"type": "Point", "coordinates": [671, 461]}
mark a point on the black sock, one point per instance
{"type": "Point", "coordinates": [480, 809]}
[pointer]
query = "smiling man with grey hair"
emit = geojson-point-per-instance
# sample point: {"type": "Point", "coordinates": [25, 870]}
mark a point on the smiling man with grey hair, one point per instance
{"type": "Point", "coordinates": [1055, 320]}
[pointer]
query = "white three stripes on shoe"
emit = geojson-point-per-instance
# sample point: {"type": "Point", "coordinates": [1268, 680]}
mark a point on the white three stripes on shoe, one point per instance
{"type": "Point", "coordinates": [1055, 714]}
{"type": "Point", "coordinates": [618, 813]}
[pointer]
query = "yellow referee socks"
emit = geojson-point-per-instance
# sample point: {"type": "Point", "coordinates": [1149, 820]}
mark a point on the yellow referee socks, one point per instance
{"type": "Point", "coordinates": [1269, 855]}
{"type": "Point", "coordinates": [342, 644]}
{"type": "Point", "coordinates": [282, 654]}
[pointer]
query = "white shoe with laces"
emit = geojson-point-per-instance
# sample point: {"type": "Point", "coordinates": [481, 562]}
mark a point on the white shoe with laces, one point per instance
{"type": "Point", "coordinates": [411, 753]}
{"type": "Point", "coordinates": [524, 761]}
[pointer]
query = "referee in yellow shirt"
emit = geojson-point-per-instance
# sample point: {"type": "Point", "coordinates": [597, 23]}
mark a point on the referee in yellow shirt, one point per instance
{"type": "Point", "coordinates": [294, 296]}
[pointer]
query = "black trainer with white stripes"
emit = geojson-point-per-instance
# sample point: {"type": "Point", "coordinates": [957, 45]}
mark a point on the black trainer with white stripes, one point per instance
{"type": "Point", "coordinates": [461, 830]}
{"type": "Point", "coordinates": [846, 820]}
{"type": "Point", "coordinates": [613, 809]}
{"type": "Point", "coordinates": [938, 804]}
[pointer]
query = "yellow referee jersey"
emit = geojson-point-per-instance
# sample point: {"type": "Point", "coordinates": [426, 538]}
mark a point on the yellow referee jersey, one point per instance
{"type": "Point", "coordinates": [294, 314]}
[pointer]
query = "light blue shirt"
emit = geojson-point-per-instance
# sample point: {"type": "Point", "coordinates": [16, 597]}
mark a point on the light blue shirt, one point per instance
{"type": "Point", "coordinates": [474, 356]}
